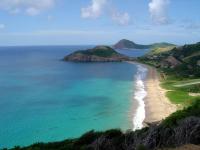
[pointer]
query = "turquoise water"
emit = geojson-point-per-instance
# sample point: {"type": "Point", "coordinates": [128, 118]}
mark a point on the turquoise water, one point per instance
{"type": "Point", "coordinates": [45, 99]}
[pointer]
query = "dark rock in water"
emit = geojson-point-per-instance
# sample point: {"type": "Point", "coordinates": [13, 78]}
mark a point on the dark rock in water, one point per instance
{"type": "Point", "coordinates": [97, 54]}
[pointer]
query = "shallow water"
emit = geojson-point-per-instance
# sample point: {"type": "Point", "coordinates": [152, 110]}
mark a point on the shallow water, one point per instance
{"type": "Point", "coordinates": [45, 99]}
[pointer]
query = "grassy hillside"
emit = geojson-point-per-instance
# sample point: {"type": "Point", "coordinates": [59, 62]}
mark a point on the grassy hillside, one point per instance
{"type": "Point", "coordinates": [180, 91]}
{"type": "Point", "coordinates": [180, 70]}
{"type": "Point", "coordinates": [159, 48]}
{"type": "Point", "coordinates": [182, 62]}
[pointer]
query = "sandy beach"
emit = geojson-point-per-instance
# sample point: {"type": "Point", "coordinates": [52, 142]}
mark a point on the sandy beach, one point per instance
{"type": "Point", "coordinates": [157, 105]}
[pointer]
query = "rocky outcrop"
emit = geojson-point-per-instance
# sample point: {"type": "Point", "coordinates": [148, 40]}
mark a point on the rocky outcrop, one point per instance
{"type": "Point", "coordinates": [97, 54]}
{"type": "Point", "coordinates": [170, 62]}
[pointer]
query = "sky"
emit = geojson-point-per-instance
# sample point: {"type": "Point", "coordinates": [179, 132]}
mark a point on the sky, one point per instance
{"type": "Point", "coordinates": [96, 22]}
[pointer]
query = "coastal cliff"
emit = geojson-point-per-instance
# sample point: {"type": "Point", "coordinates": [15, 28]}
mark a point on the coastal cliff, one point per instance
{"type": "Point", "coordinates": [97, 54]}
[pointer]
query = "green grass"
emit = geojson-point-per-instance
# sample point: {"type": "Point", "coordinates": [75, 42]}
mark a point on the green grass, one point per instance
{"type": "Point", "coordinates": [187, 83]}
{"type": "Point", "coordinates": [180, 94]}
{"type": "Point", "coordinates": [191, 88]}
{"type": "Point", "coordinates": [158, 50]}
{"type": "Point", "coordinates": [179, 97]}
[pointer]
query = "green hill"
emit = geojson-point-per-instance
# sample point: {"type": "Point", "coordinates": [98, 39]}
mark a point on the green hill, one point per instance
{"type": "Point", "coordinates": [161, 47]}
{"type": "Point", "coordinates": [97, 54]}
{"type": "Point", "coordinates": [182, 61]}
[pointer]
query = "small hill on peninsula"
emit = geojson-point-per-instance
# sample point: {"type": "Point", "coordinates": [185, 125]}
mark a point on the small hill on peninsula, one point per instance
{"type": "Point", "coordinates": [97, 54]}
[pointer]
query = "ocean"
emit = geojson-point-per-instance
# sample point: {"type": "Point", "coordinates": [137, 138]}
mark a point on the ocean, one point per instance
{"type": "Point", "coordinates": [44, 99]}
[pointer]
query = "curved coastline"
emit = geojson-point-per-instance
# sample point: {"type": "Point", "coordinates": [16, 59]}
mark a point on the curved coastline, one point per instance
{"type": "Point", "coordinates": [150, 103]}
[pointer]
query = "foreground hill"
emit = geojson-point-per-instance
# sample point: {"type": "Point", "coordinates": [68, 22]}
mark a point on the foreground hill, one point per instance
{"type": "Point", "coordinates": [182, 127]}
{"type": "Point", "coordinates": [127, 44]}
{"type": "Point", "coordinates": [182, 61]}
{"type": "Point", "coordinates": [97, 54]}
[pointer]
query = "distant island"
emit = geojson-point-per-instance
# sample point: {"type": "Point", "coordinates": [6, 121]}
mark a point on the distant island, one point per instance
{"type": "Point", "coordinates": [127, 44]}
{"type": "Point", "coordinates": [97, 54]}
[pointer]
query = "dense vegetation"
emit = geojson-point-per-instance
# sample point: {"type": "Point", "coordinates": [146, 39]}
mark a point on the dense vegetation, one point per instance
{"type": "Point", "coordinates": [156, 136]}
{"type": "Point", "coordinates": [180, 70]}
{"type": "Point", "coordinates": [101, 51]}
{"type": "Point", "coordinates": [181, 62]}
{"type": "Point", "coordinates": [97, 54]}
{"type": "Point", "coordinates": [192, 110]}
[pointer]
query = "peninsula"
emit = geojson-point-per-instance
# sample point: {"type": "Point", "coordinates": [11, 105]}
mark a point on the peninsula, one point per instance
{"type": "Point", "coordinates": [97, 54]}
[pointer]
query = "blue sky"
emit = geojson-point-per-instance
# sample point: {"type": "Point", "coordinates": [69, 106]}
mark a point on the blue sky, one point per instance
{"type": "Point", "coordinates": [71, 22]}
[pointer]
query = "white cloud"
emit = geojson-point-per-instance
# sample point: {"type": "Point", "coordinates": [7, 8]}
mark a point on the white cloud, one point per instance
{"type": "Point", "coordinates": [94, 10]}
{"type": "Point", "coordinates": [2, 26]}
{"type": "Point", "coordinates": [100, 7]}
{"type": "Point", "coordinates": [30, 7]}
{"type": "Point", "coordinates": [158, 11]}
{"type": "Point", "coordinates": [121, 18]}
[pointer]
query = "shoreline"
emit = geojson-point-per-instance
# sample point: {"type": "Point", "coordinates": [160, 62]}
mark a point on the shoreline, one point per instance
{"type": "Point", "coordinates": [156, 105]}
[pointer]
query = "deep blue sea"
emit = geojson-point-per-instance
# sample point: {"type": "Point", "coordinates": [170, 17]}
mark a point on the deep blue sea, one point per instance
{"type": "Point", "coordinates": [44, 99]}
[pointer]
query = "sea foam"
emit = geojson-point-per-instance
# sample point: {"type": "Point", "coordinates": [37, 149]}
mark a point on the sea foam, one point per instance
{"type": "Point", "coordinates": [139, 95]}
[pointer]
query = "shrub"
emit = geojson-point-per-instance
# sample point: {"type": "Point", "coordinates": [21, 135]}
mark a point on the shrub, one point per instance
{"type": "Point", "coordinates": [88, 138]}
{"type": "Point", "coordinates": [193, 110]}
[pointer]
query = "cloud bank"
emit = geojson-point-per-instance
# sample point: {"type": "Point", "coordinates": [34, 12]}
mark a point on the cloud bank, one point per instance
{"type": "Point", "coordinates": [30, 7]}
{"type": "Point", "coordinates": [158, 11]}
{"type": "Point", "coordinates": [100, 7]}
